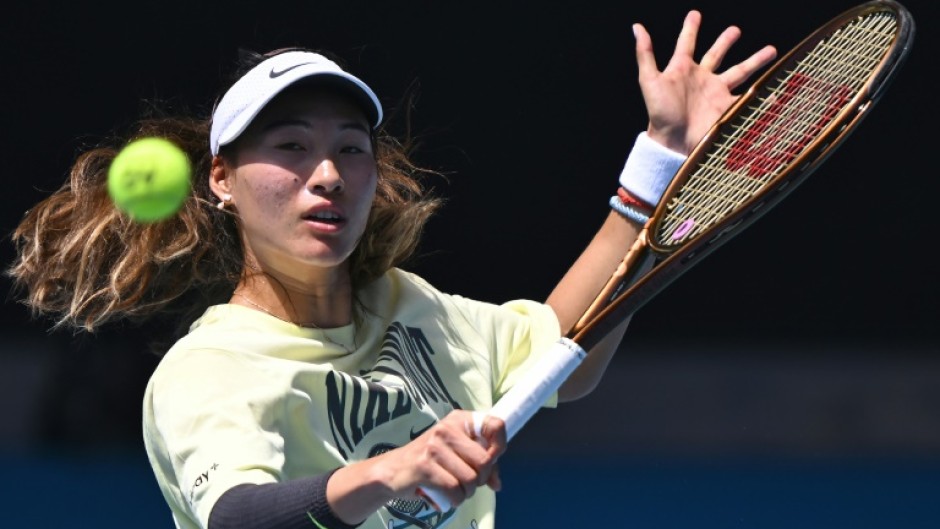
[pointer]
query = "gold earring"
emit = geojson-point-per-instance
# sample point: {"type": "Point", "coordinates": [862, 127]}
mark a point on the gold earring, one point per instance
{"type": "Point", "coordinates": [226, 198]}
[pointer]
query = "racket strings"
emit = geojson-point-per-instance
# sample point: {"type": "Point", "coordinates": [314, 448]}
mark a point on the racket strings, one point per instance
{"type": "Point", "coordinates": [779, 126]}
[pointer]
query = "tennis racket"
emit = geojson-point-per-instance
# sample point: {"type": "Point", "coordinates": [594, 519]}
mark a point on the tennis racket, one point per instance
{"type": "Point", "coordinates": [774, 136]}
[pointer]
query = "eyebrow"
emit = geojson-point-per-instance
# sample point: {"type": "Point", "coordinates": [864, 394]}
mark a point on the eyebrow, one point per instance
{"type": "Point", "coordinates": [348, 125]}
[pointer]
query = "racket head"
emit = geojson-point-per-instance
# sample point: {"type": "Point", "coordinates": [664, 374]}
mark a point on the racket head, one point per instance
{"type": "Point", "coordinates": [677, 235]}
{"type": "Point", "coordinates": [779, 131]}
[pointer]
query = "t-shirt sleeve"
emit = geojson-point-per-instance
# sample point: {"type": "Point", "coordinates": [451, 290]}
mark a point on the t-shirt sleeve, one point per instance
{"type": "Point", "coordinates": [515, 334]}
{"type": "Point", "coordinates": [531, 335]}
{"type": "Point", "coordinates": [221, 431]}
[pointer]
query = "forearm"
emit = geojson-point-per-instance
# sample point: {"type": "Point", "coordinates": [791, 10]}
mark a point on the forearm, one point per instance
{"type": "Point", "coordinates": [300, 503]}
{"type": "Point", "coordinates": [578, 290]}
{"type": "Point", "coordinates": [648, 170]}
{"type": "Point", "coordinates": [339, 499]}
{"type": "Point", "coordinates": [590, 272]}
{"type": "Point", "coordinates": [586, 377]}
{"type": "Point", "coordinates": [358, 490]}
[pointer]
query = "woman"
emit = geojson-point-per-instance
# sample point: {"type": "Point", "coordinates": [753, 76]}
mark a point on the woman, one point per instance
{"type": "Point", "coordinates": [321, 385]}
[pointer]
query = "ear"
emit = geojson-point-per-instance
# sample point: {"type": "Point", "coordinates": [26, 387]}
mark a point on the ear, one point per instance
{"type": "Point", "coordinates": [219, 181]}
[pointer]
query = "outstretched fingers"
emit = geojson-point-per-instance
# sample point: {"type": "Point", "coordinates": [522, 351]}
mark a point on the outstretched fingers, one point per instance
{"type": "Point", "coordinates": [645, 59]}
{"type": "Point", "coordinates": [685, 44]}
{"type": "Point", "coordinates": [712, 58]}
{"type": "Point", "coordinates": [740, 72]}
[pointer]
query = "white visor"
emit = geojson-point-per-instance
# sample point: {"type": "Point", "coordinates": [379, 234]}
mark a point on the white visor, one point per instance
{"type": "Point", "coordinates": [245, 99]}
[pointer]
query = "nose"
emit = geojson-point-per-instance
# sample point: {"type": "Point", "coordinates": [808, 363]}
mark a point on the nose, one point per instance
{"type": "Point", "coordinates": [326, 178]}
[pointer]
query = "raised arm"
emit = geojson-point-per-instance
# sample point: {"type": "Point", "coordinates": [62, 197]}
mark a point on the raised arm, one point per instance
{"type": "Point", "coordinates": [683, 101]}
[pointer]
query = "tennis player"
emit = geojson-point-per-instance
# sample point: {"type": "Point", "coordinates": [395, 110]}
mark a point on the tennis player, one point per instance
{"type": "Point", "coordinates": [318, 384]}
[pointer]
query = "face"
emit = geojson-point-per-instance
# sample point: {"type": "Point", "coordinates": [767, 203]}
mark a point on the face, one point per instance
{"type": "Point", "coordinates": [302, 181]}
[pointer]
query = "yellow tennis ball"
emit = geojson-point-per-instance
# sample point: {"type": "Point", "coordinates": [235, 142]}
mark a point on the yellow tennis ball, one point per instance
{"type": "Point", "coordinates": [149, 179]}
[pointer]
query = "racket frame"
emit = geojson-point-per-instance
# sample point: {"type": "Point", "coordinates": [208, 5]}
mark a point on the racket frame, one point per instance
{"type": "Point", "coordinates": [632, 290]}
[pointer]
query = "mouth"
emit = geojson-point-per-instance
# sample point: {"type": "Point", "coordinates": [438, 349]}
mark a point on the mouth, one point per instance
{"type": "Point", "coordinates": [325, 218]}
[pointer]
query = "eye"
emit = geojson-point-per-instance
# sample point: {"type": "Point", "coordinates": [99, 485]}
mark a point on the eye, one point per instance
{"type": "Point", "coordinates": [289, 146]}
{"type": "Point", "coordinates": [352, 149]}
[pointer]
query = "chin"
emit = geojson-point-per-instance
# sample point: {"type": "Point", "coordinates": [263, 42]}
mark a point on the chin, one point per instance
{"type": "Point", "coordinates": [330, 259]}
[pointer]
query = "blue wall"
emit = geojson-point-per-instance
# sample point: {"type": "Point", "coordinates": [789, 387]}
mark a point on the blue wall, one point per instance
{"type": "Point", "coordinates": [117, 490]}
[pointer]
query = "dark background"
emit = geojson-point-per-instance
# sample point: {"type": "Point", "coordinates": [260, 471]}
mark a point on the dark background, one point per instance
{"type": "Point", "coordinates": [814, 333]}
{"type": "Point", "coordinates": [531, 111]}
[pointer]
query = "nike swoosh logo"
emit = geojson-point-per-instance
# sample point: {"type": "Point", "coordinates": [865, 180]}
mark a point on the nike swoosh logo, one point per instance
{"type": "Point", "coordinates": [415, 434]}
{"type": "Point", "coordinates": [274, 73]}
{"type": "Point", "coordinates": [315, 522]}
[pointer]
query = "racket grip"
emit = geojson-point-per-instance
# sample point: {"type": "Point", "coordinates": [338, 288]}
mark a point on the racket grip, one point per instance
{"type": "Point", "coordinates": [521, 402]}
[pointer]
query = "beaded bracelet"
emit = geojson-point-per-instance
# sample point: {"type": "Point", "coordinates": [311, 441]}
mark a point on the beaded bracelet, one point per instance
{"type": "Point", "coordinates": [627, 211]}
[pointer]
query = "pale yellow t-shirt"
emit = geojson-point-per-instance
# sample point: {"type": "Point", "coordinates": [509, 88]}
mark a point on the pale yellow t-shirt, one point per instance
{"type": "Point", "coordinates": [248, 398]}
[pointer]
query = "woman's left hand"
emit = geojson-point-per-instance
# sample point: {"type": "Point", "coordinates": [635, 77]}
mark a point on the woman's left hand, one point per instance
{"type": "Point", "coordinates": [686, 98]}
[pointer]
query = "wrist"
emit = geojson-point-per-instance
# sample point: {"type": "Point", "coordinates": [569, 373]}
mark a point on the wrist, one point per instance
{"type": "Point", "coordinates": [356, 491]}
{"type": "Point", "coordinates": [649, 169]}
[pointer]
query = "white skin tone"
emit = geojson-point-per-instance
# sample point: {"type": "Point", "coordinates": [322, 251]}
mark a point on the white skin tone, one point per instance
{"type": "Point", "coordinates": [308, 154]}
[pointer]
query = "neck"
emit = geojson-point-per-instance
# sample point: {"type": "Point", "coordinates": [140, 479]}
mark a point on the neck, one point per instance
{"type": "Point", "coordinates": [327, 305]}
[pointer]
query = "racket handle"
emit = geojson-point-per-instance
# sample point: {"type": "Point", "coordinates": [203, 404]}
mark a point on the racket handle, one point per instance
{"type": "Point", "coordinates": [521, 402]}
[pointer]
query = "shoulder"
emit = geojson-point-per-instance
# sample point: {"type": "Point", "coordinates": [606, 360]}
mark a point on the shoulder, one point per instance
{"type": "Point", "coordinates": [219, 341]}
{"type": "Point", "coordinates": [396, 278]}
{"type": "Point", "coordinates": [397, 288]}
{"type": "Point", "coordinates": [401, 291]}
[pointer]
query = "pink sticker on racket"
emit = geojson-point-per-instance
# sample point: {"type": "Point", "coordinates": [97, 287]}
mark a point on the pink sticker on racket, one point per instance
{"type": "Point", "coordinates": [683, 229]}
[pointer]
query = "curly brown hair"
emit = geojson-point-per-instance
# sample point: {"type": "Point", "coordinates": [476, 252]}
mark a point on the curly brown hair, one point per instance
{"type": "Point", "coordinates": [83, 262]}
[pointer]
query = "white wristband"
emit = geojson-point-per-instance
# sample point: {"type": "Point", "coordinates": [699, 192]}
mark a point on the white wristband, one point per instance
{"type": "Point", "coordinates": [649, 169]}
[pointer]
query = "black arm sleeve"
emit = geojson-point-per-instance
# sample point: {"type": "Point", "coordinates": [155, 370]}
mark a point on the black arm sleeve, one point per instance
{"type": "Point", "coordinates": [296, 504]}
